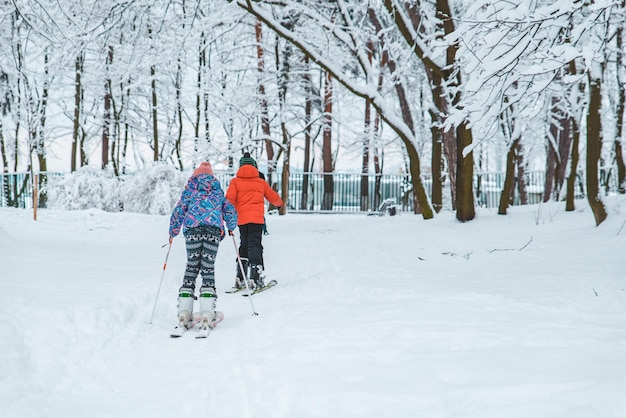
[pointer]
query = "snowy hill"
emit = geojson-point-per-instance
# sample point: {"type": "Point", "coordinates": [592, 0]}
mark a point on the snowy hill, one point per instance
{"type": "Point", "coordinates": [507, 316]}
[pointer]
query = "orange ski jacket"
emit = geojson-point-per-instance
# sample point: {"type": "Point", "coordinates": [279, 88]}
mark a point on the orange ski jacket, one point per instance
{"type": "Point", "coordinates": [247, 192]}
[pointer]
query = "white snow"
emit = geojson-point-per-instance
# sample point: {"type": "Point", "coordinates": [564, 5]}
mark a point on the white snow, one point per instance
{"type": "Point", "coordinates": [521, 315]}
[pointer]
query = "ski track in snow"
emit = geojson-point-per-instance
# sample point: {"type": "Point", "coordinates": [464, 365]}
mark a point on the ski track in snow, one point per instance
{"type": "Point", "coordinates": [372, 317]}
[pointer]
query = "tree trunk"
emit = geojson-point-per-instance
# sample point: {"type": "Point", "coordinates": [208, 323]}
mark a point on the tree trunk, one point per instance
{"type": "Point", "coordinates": [78, 95]}
{"type": "Point", "coordinates": [551, 152]}
{"type": "Point", "coordinates": [115, 143]}
{"type": "Point", "coordinates": [179, 114]}
{"type": "Point", "coordinates": [565, 144]}
{"type": "Point", "coordinates": [283, 68]}
{"type": "Point", "coordinates": [378, 163]}
{"type": "Point", "coordinates": [123, 125]}
{"type": "Point", "coordinates": [367, 131]}
{"type": "Point", "coordinates": [5, 106]}
{"type": "Point", "coordinates": [558, 150]}
{"type": "Point", "coordinates": [41, 136]}
{"type": "Point", "coordinates": [308, 104]}
{"type": "Point", "coordinates": [465, 208]}
{"type": "Point", "coordinates": [507, 189]}
{"type": "Point", "coordinates": [6, 191]}
{"type": "Point", "coordinates": [19, 56]}
{"type": "Point", "coordinates": [265, 120]}
{"type": "Point", "coordinates": [378, 153]}
{"type": "Point", "coordinates": [521, 175]}
{"type": "Point", "coordinates": [155, 120]}
{"type": "Point", "coordinates": [201, 65]}
{"type": "Point", "coordinates": [3, 152]}
{"type": "Point", "coordinates": [436, 163]}
{"type": "Point", "coordinates": [443, 80]}
{"type": "Point", "coordinates": [284, 189]}
{"type": "Point", "coordinates": [594, 146]}
{"type": "Point", "coordinates": [107, 109]}
{"type": "Point", "coordinates": [405, 107]}
{"type": "Point", "coordinates": [573, 171]}
{"type": "Point", "coordinates": [365, 162]}
{"type": "Point", "coordinates": [327, 157]}
{"type": "Point", "coordinates": [621, 105]}
{"type": "Point", "coordinates": [84, 156]}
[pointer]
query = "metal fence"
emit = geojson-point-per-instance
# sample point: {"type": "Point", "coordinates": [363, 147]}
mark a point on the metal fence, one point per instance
{"type": "Point", "coordinates": [347, 191]}
{"type": "Point", "coordinates": [17, 190]}
{"type": "Point", "coordinates": [398, 188]}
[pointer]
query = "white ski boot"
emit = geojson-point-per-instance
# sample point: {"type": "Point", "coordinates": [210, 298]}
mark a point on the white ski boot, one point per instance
{"type": "Point", "coordinates": [185, 306]}
{"type": "Point", "coordinates": [207, 311]}
{"type": "Point", "coordinates": [207, 304]}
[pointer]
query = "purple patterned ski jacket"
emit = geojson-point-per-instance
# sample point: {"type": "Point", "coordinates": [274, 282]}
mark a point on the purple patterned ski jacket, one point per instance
{"type": "Point", "coordinates": [202, 203]}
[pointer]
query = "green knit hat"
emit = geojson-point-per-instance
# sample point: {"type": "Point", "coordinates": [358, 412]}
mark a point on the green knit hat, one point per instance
{"type": "Point", "coordinates": [247, 160]}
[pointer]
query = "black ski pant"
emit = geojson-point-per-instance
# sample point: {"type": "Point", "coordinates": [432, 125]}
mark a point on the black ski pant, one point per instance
{"type": "Point", "coordinates": [250, 246]}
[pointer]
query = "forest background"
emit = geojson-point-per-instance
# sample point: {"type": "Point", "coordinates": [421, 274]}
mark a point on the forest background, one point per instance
{"type": "Point", "coordinates": [441, 89]}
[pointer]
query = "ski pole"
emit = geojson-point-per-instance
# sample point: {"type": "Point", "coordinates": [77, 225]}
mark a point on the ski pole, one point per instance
{"type": "Point", "coordinates": [161, 282]}
{"type": "Point", "coordinates": [245, 277]}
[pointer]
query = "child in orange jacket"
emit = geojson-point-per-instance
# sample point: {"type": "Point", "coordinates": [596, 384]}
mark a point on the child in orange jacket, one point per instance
{"type": "Point", "coordinates": [248, 192]}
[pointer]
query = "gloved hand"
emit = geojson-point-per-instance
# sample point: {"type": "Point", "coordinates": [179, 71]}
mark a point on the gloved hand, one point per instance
{"type": "Point", "coordinates": [231, 233]}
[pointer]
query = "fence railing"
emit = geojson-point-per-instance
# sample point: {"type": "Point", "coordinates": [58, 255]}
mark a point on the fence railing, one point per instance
{"type": "Point", "coordinates": [16, 189]}
{"type": "Point", "coordinates": [306, 190]}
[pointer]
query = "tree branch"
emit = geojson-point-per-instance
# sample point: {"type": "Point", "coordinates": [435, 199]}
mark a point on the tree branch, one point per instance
{"type": "Point", "coordinates": [512, 249]}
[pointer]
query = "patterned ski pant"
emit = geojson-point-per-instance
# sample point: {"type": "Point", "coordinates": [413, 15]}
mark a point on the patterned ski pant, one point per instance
{"type": "Point", "coordinates": [202, 243]}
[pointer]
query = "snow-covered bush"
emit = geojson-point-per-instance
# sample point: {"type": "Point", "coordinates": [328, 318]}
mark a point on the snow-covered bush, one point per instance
{"type": "Point", "coordinates": [86, 188]}
{"type": "Point", "coordinates": [154, 190]}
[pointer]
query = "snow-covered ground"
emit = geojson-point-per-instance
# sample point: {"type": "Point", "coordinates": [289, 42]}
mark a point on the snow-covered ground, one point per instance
{"type": "Point", "coordinates": [521, 315]}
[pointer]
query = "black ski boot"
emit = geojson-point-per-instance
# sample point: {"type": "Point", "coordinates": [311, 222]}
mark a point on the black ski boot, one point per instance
{"type": "Point", "coordinates": [239, 283]}
{"type": "Point", "coordinates": [256, 275]}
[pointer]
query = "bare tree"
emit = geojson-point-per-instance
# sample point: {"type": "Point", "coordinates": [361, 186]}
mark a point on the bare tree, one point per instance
{"type": "Point", "coordinates": [326, 54]}
{"type": "Point", "coordinates": [510, 126]}
{"type": "Point", "coordinates": [107, 117]}
{"type": "Point", "coordinates": [5, 107]}
{"type": "Point", "coordinates": [327, 157]}
{"type": "Point", "coordinates": [78, 96]}
{"type": "Point", "coordinates": [365, 161]}
{"type": "Point", "coordinates": [594, 145]}
{"type": "Point", "coordinates": [265, 120]}
{"type": "Point", "coordinates": [447, 84]}
{"type": "Point", "coordinates": [308, 110]}
{"type": "Point", "coordinates": [620, 132]}
{"type": "Point", "coordinates": [283, 69]}
{"type": "Point", "coordinates": [559, 143]}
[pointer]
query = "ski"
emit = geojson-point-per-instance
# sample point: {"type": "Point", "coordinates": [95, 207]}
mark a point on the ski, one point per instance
{"type": "Point", "coordinates": [269, 284]}
{"type": "Point", "coordinates": [206, 328]}
{"type": "Point", "coordinates": [236, 289]}
{"type": "Point", "coordinates": [180, 330]}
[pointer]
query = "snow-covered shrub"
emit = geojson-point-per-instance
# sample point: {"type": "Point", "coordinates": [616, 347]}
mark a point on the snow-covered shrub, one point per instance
{"type": "Point", "coordinates": [154, 190]}
{"type": "Point", "coordinates": [86, 188]}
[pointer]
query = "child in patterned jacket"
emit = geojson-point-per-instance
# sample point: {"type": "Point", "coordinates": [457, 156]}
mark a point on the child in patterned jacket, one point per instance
{"type": "Point", "coordinates": [201, 213]}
